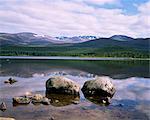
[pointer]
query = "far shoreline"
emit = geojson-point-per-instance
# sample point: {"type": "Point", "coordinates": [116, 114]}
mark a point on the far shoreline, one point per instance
{"type": "Point", "coordinates": [69, 58]}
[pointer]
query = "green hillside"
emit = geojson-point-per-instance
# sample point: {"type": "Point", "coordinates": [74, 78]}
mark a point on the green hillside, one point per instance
{"type": "Point", "coordinates": [27, 44]}
{"type": "Point", "coordinates": [74, 51]}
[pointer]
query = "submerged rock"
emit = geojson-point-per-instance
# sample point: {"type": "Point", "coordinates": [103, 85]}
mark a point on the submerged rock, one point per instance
{"type": "Point", "coordinates": [59, 100]}
{"type": "Point", "coordinates": [99, 91]}
{"type": "Point", "coordinates": [37, 98]}
{"type": "Point", "coordinates": [4, 118]}
{"type": "Point", "coordinates": [61, 84]}
{"type": "Point", "coordinates": [6, 81]}
{"type": "Point", "coordinates": [103, 101]}
{"type": "Point", "coordinates": [45, 101]}
{"type": "Point", "coordinates": [10, 80]}
{"type": "Point", "coordinates": [75, 102]}
{"type": "Point", "coordinates": [3, 106]}
{"type": "Point", "coordinates": [21, 100]}
{"type": "Point", "coordinates": [51, 118]}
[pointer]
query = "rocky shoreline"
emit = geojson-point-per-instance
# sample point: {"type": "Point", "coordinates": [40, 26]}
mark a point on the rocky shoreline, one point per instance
{"type": "Point", "coordinates": [100, 88]}
{"type": "Point", "coordinates": [70, 106]}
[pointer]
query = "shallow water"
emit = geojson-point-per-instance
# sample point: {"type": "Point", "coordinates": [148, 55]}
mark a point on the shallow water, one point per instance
{"type": "Point", "coordinates": [131, 100]}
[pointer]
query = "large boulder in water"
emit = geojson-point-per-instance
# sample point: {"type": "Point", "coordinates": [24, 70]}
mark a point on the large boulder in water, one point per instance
{"type": "Point", "coordinates": [60, 84]}
{"type": "Point", "coordinates": [101, 86]}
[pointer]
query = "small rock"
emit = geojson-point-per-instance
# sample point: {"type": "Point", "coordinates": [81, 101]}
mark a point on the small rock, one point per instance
{"type": "Point", "coordinates": [120, 105]}
{"type": "Point", "coordinates": [75, 102]}
{"type": "Point", "coordinates": [103, 101]}
{"type": "Point", "coordinates": [7, 60]}
{"type": "Point", "coordinates": [3, 106]}
{"type": "Point", "coordinates": [6, 81]}
{"type": "Point", "coordinates": [4, 118]}
{"type": "Point", "coordinates": [10, 80]}
{"type": "Point", "coordinates": [56, 101]}
{"type": "Point", "coordinates": [52, 118]}
{"type": "Point", "coordinates": [45, 101]}
{"type": "Point", "coordinates": [21, 100]}
{"type": "Point", "coordinates": [37, 98]}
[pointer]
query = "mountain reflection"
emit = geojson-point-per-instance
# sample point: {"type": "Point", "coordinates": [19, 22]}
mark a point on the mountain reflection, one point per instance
{"type": "Point", "coordinates": [114, 69]}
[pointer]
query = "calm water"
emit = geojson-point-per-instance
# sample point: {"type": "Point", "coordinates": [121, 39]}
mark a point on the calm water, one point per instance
{"type": "Point", "coordinates": [131, 78]}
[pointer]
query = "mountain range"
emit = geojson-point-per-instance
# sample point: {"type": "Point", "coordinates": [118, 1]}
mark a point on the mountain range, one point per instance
{"type": "Point", "coordinates": [32, 44]}
{"type": "Point", "coordinates": [26, 38]}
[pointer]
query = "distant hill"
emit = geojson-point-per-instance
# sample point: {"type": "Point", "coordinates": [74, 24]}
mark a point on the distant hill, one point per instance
{"type": "Point", "coordinates": [121, 38]}
{"type": "Point", "coordinates": [26, 38]}
{"type": "Point", "coordinates": [140, 43]}
{"type": "Point", "coordinates": [31, 44]}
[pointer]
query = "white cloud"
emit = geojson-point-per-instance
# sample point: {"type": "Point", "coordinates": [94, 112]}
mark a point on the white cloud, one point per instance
{"type": "Point", "coordinates": [142, 24]}
{"type": "Point", "coordinates": [144, 8]}
{"type": "Point", "coordinates": [74, 17]}
{"type": "Point", "coordinates": [99, 2]}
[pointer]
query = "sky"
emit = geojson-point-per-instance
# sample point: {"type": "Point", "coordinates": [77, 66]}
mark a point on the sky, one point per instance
{"type": "Point", "coordinates": [102, 18]}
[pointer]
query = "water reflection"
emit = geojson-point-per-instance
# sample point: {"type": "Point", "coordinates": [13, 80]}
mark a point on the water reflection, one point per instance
{"type": "Point", "coordinates": [17, 104]}
{"type": "Point", "coordinates": [32, 75]}
{"type": "Point", "coordinates": [99, 100]}
{"type": "Point", "coordinates": [136, 89]}
{"type": "Point", "coordinates": [114, 69]}
{"type": "Point", "coordinates": [59, 100]}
